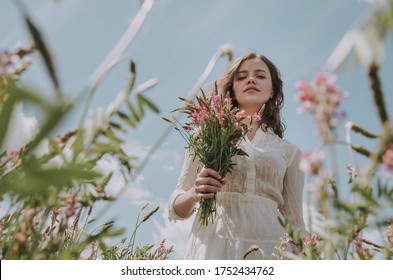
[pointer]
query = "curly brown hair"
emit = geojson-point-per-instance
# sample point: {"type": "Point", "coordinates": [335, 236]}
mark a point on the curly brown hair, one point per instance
{"type": "Point", "coordinates": [271, 116]}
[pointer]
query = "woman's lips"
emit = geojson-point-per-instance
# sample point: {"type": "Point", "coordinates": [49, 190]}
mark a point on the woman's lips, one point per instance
{"type": "Point", "coordinates": [251, 88]}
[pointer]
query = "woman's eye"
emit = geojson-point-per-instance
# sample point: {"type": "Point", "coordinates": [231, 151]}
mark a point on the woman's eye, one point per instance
{"type": "Point", "coordinates": [240, 78]}
{"type": "Point", "coordinates": [261, 77]}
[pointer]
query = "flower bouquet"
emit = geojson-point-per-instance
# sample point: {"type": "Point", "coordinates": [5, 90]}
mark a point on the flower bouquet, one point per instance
{"type": "Point", "coordinates": [213, 134]}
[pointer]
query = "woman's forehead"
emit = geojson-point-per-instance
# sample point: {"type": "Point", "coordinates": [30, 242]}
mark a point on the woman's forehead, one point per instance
{"type": "Point", "coordinates": [253, 64]}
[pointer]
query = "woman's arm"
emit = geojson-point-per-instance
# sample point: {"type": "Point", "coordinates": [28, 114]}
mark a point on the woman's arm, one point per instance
{"type": "Point", "coordinates": [293, 193]}
{"type": "Point", "coordinates": [191, 188]}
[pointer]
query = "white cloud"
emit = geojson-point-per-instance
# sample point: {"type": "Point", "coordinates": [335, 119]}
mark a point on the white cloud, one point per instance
{"type": "Point", "coordinates": [138, 194]}
{"type": "Point", "coordinates": [21, 129]}
{"type": "Point", "coordinates": [136, 148]}
{"type": "Point", "coordinates": [172, 160]}
{"type": "Point", "coordinates": [174, 233]}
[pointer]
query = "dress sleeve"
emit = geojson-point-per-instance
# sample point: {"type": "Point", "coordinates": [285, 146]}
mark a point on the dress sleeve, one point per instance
{"type": "Point", "coordinates": [293, 194]}
{"type": "Point", "coordinates": [186, 180]}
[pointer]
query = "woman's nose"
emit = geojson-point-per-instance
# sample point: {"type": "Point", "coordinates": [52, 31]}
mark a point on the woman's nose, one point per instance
{"type": "Point", "coordinates": [251, 80]}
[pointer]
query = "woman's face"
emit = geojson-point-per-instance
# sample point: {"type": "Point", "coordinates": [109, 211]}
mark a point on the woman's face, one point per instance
{"type": "Point", "coordinates": [252, 85]}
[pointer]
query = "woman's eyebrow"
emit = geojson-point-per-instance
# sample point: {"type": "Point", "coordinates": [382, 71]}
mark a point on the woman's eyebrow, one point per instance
{"type": "Point", "coordinates": [246, 71]}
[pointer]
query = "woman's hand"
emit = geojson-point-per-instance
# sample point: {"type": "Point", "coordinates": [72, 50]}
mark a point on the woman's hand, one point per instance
{"type": "Point", "coordinates": [207, 183]}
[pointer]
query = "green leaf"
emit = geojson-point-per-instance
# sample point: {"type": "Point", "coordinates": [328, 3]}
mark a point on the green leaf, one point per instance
{"type": "Point", "coordinates": [358, 129]}
{"type": "Point", "coordinates": [28, 95]}
{"type": "Point", "coordinates": [77, 145]}
{"type": "Point", "coordinates": [131, 79]}
{"type": "Point", "coordinates": [101, 186]}
{"type": "Point", "coordinates": [116, 126]}
{"type": "Point", "coordinates": [137, 116]}
{"type": "Point", "coordinates": [5, 116]}
{"type": "Point", "coordinates": [126, 119]}
{"type": "Point", "coordinates": [361, 150]}
{"type": "Point", "coordinates": [91, 221]}
{"type": "Point", "coordinates": [142, 101]}
{"type": "Point", "coordinates": [110, 135]}
{"type": "Point", "coordinates": [102, 148]}
{"type": "Point", "coordinates": [43, 49]}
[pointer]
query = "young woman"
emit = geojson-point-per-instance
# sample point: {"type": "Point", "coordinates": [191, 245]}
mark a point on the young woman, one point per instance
{"type": "Point", "coordinates": [264, 186]}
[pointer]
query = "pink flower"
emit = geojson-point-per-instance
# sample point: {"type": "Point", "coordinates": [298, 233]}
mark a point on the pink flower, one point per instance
{"type": "Point", "coordinates": [312, 241]}
{"type": "Point", "coordinates": [70, 205]}
{"type": "Point", "coordinates": [241, 116]}
{"type": "Point", "coordinates": [311, 162]}
{"type": "Point", "coordinates": [256, 117]}
{"type": "Point", "coordinates": [387, 158]}
{"type": "Point", "coordinates": [187, 127]}
{"type": "Point", "coordinates": [14, 155]}
{"type": "Point", "coordinates": [351, 172]}
{"type": "Point", "coordinates": [305, 91]}
{"type": "Point", "coordinates": [93, 253]}
{"type": "Point", "coordinates": [321, 97]}
{"type": "Point", "coordinates": [360, 252]}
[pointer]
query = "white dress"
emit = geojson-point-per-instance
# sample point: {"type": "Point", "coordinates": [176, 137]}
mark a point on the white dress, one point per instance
{"type": "Point", "coordinates": [262, 187]}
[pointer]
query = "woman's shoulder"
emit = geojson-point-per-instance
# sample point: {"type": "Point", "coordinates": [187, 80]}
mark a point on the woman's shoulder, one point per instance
{"type": "Point", "coordinates": [291, 146]}
{"type": "Point", "coordinates": [291, 150]}
{"type": "Point", "coordinates": [282, 143]}
{"type": "Point", "coordinates": [287, 148]}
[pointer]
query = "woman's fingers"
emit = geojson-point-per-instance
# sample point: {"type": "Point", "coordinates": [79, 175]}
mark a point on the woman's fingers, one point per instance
{"type": "Point", "coordinates": [207, 183]}
{"type": "Point", "coordinates": [200, 196]}
{"type": "Point", "coordinates": [206, 189]}
{"type": "Point", "coordinates": [208, 172]}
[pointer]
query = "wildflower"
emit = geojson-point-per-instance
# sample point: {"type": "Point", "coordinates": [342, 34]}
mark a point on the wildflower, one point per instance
{"type": "Point", "coordinates": [14, 156]}
{"type": "Point", "coordinates": [387, 158]}
{"type": "Point", "coordinates": [12, 64]}
{"type": "Point", "coordinates": [256, 117]}
{"type": "Point", "coordinates": [93, 253]}
{"type": "Point", "coordinates": [360, 252]}
{"type": "Point", "coordinates": [55, 214]}
{"type": "Point", "coordinates": [310, 246]}
{"type": "Point", "coordinates": [321, 97]}
{"type": "Point", "coordinates": [64, 138]}
{"type": "Point", "coordinates": [313, 240]}
{"type": "Point", "coordinates": [311, 162]}
{"type": "Point", "coordinates": [351, 172]}
{"type": "Point", "coordinates": [280, 249]}
{"type": "Point", "coordinates": [241, 116]}
{"type": "Point", "coordinates": [70, 205]}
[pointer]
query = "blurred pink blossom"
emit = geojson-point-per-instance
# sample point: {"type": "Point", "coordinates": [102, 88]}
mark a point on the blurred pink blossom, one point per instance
{"type": "Point", "coordinates": [351, 172]}
{"type": "Point", "coordinates": [256, 117]}
{"type": "Point", "coordinates": [70, 207]}
{"type": "Point", "coordinates": [311, 240]}
{"type": "Point", "coordinates": [360, 252]}
{"type": "Point", "coordinates": [311, 162]}
{"type": "Point", "coordinates": [241, 116]}
{"type": "Point", "coordinates": [321, 98]}
{"type": "Point", "coordinates": [387, 158]}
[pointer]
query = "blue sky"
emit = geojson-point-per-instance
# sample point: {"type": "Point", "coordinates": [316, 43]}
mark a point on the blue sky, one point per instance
{"type": "Point", "coordinates": [174, 46]}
